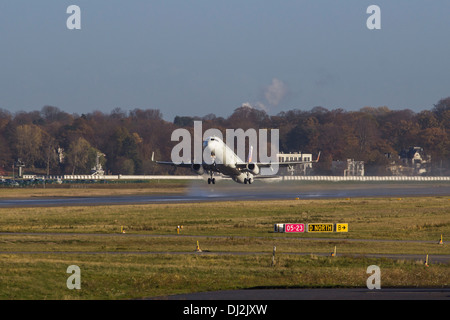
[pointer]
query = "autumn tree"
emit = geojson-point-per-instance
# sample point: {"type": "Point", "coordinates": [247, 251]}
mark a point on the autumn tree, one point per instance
{"type": "Point", "coordinates": [28, 143]}
{"type": "Point", "coordinates": [128, 138]}
{"type": "Point", "coordinates": [5, 149]}
{"type": "Point", "coordinates": [304, 137]}
{"type": "Point", "coordinates": [122, 152]}
{"type": "Point", "coordinates": [48, 151]}
{"type": "Point", "coordinates": [78, 155]}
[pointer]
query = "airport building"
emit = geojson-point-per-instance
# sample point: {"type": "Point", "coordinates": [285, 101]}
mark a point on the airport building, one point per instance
{"type": "Point", "coordinates": [349, 168]}
{"type": "Point", "coordinates": [412, 162]}
{"type": "Point", "coordinates": [303, 169]}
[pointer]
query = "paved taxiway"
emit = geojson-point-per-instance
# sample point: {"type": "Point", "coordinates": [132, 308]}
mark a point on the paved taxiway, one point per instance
{"type": "Point", "coordinates": [317, 294]}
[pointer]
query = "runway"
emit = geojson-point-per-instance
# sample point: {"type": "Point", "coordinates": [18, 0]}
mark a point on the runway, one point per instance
{"type": "Point", "coordinates": [230, 191]}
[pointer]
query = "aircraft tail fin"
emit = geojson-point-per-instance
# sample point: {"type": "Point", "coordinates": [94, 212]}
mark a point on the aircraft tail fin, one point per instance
{"type": "Point", "coordinates": [250, 153]}
{"type": "Point", "coordinates": [318, 156]}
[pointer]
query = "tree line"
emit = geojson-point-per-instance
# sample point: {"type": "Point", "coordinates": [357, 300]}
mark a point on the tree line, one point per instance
{"type": "Point", "coordinates": [51, 141]}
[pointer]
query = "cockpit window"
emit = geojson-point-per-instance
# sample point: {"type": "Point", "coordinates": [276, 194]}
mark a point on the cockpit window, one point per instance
{"type": "Point", "coordinates": [205, 143]}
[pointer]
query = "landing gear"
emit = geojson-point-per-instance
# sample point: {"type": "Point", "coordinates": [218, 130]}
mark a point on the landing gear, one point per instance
{"type": "Point", "coordinates": [211, 179]}
{"type": "Point", "coordinates": [249, 178]}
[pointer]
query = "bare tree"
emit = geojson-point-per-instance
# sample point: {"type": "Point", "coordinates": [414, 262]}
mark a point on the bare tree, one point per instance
{"type": "Point", "coordinates": [28, 143]}
{"type": "Point", "coordinates": [78, 154]}
{"type": "Point", "coordinates": [49, 153]}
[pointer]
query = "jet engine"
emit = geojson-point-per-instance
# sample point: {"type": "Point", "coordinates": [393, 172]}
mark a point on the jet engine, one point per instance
{"type": "Point", "coordinates": [198, 168]}
{"type": "Point", "coordinates": [253, 168]}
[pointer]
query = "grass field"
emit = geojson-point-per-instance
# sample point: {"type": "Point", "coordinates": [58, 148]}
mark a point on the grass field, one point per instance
{"type": "Point", "coordinates": [98, 189]}
{"type": "Point", "coordinates": [152, 259]}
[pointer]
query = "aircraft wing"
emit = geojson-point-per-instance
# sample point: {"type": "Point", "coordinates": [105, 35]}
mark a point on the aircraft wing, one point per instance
{"type": "Point", "coordinates": [206, 166]}
{"type": "Point", "coordinates": [169, 163]}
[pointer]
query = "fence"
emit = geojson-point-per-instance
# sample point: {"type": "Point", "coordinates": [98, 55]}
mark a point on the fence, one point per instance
{"type": "Point", "coordinates": [365, 178]}
{"type": "Point", "coordinates": [112, 177]}
{"type": "Point", "coordinates": [199, 177]}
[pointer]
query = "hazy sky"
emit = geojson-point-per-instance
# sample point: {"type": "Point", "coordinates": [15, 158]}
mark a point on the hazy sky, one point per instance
{"type": "Point", "coordinates": [194, 57]}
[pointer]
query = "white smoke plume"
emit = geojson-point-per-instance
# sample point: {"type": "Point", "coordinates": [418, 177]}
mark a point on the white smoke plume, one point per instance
{"type": "Point", "coordinates": [272, 94]}
{"type": "Point", "coordinates": [275, 92]}
{"type": "Point", "coordinates": [256, 105]}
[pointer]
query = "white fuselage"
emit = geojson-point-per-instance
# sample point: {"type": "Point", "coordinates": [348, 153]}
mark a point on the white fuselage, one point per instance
{"type": "Point", "coordinates": [224, 159]}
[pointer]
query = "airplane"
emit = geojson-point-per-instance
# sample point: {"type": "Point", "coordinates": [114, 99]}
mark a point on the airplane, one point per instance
{"type": "Point", "coordinates": [226, 162]}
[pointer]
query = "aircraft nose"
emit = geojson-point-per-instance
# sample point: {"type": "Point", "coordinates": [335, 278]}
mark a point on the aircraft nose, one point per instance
{"type": "Point", "coordinates": [210, 145]}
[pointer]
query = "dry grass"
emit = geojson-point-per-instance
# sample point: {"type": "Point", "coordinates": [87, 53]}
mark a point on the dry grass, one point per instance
{"type": "Point", "coordinates": [119, 266]}
{"type": "Point", "coordinates": [89, 191]}
{"type": "Point", "coordinates": [424, 218]}
{"type": "Point", "coordinates": [137, 276]}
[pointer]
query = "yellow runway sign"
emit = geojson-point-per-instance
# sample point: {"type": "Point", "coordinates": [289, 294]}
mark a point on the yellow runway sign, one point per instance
{"type": "Point", "coordinates": [341, 227]}
{"type": "Point", "coordinates": [320, 227]}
